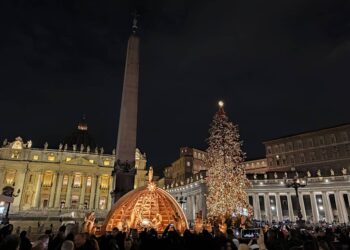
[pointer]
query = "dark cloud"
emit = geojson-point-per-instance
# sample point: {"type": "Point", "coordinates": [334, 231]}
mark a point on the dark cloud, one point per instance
{"type": "Point", "coordinates": [281, 66]}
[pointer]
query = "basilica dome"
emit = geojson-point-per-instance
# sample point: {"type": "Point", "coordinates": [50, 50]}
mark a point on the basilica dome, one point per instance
{"type": "Point", "coordinates": [146, 207]}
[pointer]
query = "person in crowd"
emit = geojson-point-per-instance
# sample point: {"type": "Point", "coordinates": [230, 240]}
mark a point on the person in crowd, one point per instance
{"type": "Point", "coordinates": [25, 242]}
{"type": "Point", "coordinates": [10, 242]}
{"type": "Point", "coordinates": [67, 245]}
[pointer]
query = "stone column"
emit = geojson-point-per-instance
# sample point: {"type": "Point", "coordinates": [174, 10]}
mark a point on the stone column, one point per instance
{"type": "Point", "coordinates": [82, 191]}
{"type": "Point", "coordinates": [110, 189]}
{"type": "Point", "coordinates": [327, 207]}
{"type": "Point", "coordinates": [19, 181]}
{"type": "Point", "coordinates": [58, 190]}
{"type": "Point", "coordinates": [92, 192]}
{"type": "Point", "coordinates": [193, 207]}
{"type": "Point", "coordinates": [330, 207]}
{"type": "Point", "coordinates": [267, 207]}
{"type": "Point", "coordinates": [256, 207]}
{"type": "Point", "coordinates": [290, 207]}
{"type": "Point", "coordinates": [314, 208]}
{"type": "Point", "coordinates": [69, 190]}
{"type": "Point", "coordinates": [340, 207]}
{"type": "Point", "coordinates": [53, 190]}
{"type": "Point", "coordinates": [97, 195]}
{"type": "Point", "coordinates": [2, 177]}
{"type": "Point", "coordinates": [279, 207]}
{"type": "Point", "coordinates": [37, 190]}
{"type": "Point", "coordinates": [302, 206]}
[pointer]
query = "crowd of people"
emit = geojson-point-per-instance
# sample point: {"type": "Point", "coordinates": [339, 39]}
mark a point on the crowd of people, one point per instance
{"type": "Point", "coordinates": [279, 237]}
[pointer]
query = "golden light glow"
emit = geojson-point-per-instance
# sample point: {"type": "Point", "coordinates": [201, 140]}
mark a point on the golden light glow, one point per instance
{"type": "Point", "coordinates": [91, 161]}
{"type": "Point", "coordinates": [146, 207]}
{"type": "Point", "coordinates": [35, 157]}
{"type": "Point", "coordinates": [221, 104]}
{"type": "Point", "coordinates": [68, 159]}
{"type": "Point", "coordinates": [51, 157]}
{"type": "Point", "coordinates": [106, 163]}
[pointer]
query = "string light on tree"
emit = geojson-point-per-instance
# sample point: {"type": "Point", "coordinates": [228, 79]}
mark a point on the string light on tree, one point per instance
{"type": "Point", "coordinates": [227, 180]}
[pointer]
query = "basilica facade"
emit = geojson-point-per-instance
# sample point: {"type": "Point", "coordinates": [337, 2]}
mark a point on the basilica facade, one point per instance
{"type": "Point", "coordinates": [62, 182]}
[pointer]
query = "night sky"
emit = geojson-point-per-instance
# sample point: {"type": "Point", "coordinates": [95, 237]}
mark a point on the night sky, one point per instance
{"type": "Point", "coordinates": [281, 67]}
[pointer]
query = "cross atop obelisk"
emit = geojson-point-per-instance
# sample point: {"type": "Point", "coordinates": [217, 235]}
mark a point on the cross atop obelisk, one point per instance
{"type": "Point", "coordinates": [124, 169]}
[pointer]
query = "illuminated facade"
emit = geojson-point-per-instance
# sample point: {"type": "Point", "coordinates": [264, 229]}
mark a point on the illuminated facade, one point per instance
{"type": "Point", "coordinates": [60, 181]}
{"type": "Point", "coordinates": [322, 155]}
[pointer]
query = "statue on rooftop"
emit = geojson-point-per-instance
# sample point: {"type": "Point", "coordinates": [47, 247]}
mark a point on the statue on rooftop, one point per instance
{"type": "Point", "coordinates": [65, 147]}
{"type": "Point", "coordinates": [88, 149]}
{"type": "Point", "coordinates": [308, 173]}
{"type": "Point", "coordinates": [60, 146]}
{"type": "Point", "coordinates": [344, 171]}
{"type": "Point", "coordinates": [46, 145]}
{"type": "Point", "coordinates": [319, 173]}
{"type": "Point", "coordinates": [74, 147]}
{"type": "Point", "coordinates": [332, 172]}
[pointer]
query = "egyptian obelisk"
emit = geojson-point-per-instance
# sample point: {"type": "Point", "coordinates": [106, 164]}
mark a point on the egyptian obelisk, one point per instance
{"type": "Point", "coordinates": [124, 167]}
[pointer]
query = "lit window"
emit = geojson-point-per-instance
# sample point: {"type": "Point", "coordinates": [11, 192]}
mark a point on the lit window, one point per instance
{"type": "Point", "coordinates": [102, 203]}
{"type": "Point", "coordinates": [51, 157]}
{"type": "Point", "coordinates": [106, 163]}
{"type": "Point", "coordinates": [88, 181]}
{"type": "Point", "coordinates": [188, 164]}
{"type": "Point", "coordinates": [35, 157]}
{"type": "Point", "coordinates": [47, 181]}
{"type": "Point", "coordinates": [68, 159]}
{"type": "Point", "coordinates": [77, 180]}
{"type": "Point", "coordinates": [75, 201]}
{"type": "Point", "coordinates": [65, 180]}
{"type": "Point", "coordinates": [104, 181]}
{"type": "Point", "coordinates": [10, 177]}
{"type": "Point", "coordinates": [91, 161]}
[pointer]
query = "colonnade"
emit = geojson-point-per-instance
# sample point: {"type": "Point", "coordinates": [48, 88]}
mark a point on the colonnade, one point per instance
{"type": "Point", "coordinates": [315, 205]}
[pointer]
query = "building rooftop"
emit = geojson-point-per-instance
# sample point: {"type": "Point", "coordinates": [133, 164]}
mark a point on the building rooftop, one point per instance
{"type": "Point", "coordinates": [307, 132]}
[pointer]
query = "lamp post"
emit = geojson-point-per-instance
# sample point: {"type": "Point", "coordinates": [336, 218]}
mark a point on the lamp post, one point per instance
{"type": "Point", "coordinates": [9, 192]}
{"type": "Point", "coordinates": [182, 200]}
{"type": "Point", "coordinates": [297, 183]}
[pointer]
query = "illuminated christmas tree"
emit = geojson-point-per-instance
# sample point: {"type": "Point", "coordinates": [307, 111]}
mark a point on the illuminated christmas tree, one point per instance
{"type": "Point", "coordinates": [226, 177]}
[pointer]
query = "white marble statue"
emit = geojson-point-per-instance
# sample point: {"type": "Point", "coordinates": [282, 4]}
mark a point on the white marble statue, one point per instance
{"type": "Point", "coordinates": [275, 175]}
{"type": "Point", "coordinates": [344, 171]}
{"type": "Point", "coordinates": [319, 173]}
{"type": "Point", "coordinates": [308, 174]}
{"type": "Point", "coordinates": [101, 150]}
{"type": "Point", "coordinates": [4, 143]}
{"type": "Point", "coordinates": [46, 145]}
{"type": "Point", "coordinates": [65, 147]}
{"type": "Point", "coordinates": [74, 147]}
{"type": "Point", "coordinates": [265, 176]}
{"type": "Point", "coordinates": [332, 172]}
{"type": "Point", "coordinates": [60, 146]}
{"type": "Point", "coordinates": [81, 148]}
{"type": "Point", "coordinates": [88, 149]}
{"type": "Point", "coordinates": [29, 144]}
{"type": "Point", "coordinates": [254, 176]}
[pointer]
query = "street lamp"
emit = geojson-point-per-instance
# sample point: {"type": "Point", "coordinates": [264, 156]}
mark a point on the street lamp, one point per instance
{"type": "Point", "coordinates": [182, 200]}
{"type": "Point", "coordinates": [297, 183]}
{"type": "Point", "coordinates": [9, 192]}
